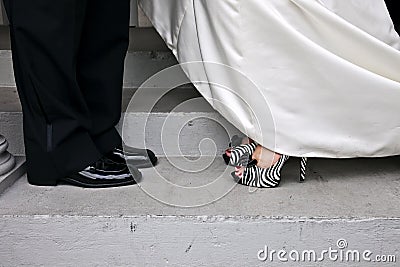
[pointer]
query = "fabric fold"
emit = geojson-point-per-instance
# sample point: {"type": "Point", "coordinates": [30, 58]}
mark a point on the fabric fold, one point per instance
{"type": "Point", "coordinates": [315, 78]}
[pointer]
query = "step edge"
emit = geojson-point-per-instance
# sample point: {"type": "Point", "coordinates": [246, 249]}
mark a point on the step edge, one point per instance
{"type": "Point", "coordinates": [210, 218]}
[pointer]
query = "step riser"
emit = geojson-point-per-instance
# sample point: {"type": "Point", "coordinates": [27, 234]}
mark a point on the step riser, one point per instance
{"type": "Point", "coordinates": [180, 136]}
{"type": "Point", "coordinates": [184, 241]}
{"type": "Point", "coordinates": [139, 66]}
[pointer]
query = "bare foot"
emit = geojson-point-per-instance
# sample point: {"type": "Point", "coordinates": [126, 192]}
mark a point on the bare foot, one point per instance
{"type": "Point", "coordinates": [265, 157]}
{"type": "Point", "coordinates": [246, 141]}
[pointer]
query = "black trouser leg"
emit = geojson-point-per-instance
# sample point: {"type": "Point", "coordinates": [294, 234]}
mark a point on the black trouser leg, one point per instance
{"type": "Point", "coordinates": [394, 13]}
{"type": "Point", "coordinates": [104, 44]}
{"type": "Point", "coordinates": [62, 133]}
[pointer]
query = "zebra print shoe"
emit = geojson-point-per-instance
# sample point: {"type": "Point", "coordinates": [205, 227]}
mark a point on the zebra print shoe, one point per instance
{"type": "Point", "coordinates": [242, 155]}
{"type": "Point", "coordinates": [262, 178]}
{"type": "Point", "coordinates": [236, 140]}
{"type": "Point", "coordinates": [255, 176]}
{"type": "Point", "coordinates": [303, 169]}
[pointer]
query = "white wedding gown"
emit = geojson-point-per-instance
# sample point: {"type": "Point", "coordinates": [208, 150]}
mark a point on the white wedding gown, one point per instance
{"type": "Point", "coordinates": [314, 78]}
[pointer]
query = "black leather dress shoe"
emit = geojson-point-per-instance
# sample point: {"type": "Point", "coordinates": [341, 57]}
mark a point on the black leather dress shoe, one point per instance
{"type": "Point", "coordinates": [104, 173]}
{"type": "Point", "coordinates": [139, 158]}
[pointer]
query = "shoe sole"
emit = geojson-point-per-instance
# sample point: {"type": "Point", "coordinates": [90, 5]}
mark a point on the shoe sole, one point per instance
{"type": "Point", "coordinates": [72, 181]}
{"type": "Point", "coordinates": [103, 183]}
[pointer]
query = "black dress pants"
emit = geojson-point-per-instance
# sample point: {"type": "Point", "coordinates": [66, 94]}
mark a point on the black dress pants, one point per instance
{"type": "Point", "coordinates": [68, 58]}
{"type": "Point", "coordinates": [394, 13]}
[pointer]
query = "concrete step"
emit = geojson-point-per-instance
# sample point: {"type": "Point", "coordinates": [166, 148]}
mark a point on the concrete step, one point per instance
{"type": "Point", "coordinates": [182, 115]}
{"type": "Point", "coordinates": [139, 66]}
{"type": "Point", "coordinates": [189, 212]}
{"type": "Point", "coordinates": [189, 116]}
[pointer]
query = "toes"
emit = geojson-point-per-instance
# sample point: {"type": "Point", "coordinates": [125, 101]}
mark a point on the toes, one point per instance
{"type": "Point", "coordinates": [239, 171]}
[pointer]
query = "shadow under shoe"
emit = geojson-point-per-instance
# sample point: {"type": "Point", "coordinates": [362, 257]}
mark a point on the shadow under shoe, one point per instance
{"type": "Point", "coordinates": [137, 157]}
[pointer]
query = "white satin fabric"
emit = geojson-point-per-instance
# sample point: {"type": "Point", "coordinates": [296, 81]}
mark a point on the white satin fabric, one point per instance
{"type": "Point", "coordinates": [326, 73]}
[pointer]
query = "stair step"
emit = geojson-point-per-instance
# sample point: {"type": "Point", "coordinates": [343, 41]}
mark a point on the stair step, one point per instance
{"type": "Point", "coordinates": [180, 113]}
{"type": "Point", "coordinates": [139, 66]}
{"type": "Point", "coordinates": [356, 200]}
{"type": "Point", "coordinates": [188, 211]}
{"type": "Point", "coordinates": [358, 188]}
{"type": "Point", "coordinates": [182, 107]}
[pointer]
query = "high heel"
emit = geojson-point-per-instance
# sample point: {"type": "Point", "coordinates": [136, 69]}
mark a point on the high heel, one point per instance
{"type": "Point", "coordinates": [255, 176]}
{"type": "Point", "coordinates": [303, 169]}
{"type": "Point", "coordinates": [262, 178]}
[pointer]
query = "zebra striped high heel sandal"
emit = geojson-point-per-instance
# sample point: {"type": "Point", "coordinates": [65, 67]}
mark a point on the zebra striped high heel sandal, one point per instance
{"type": "Point", "coordinates": [303, 169]}
{"type": "Point", "coordinates": [262, 178]}
{"type": "Point", "coordinates": [242, 155]}
{"type": "Point", "coordinates": [255, 176]}
{"type": "Point", "coordinates": [236, 140]}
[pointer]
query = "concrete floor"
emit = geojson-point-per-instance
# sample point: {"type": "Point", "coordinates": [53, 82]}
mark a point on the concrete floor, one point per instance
{"type": "Point", "coordinates": [357, 188]}
{"type": "Point", "coordinates": [335, 188]}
